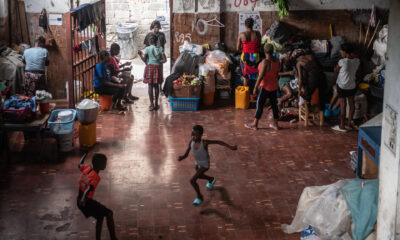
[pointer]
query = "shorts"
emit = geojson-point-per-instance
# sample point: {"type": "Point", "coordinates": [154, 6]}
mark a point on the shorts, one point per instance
{"type": "Point", "coordinates": [344, 93]}
{"type": "Point", "coordinates": [93, 208]}
{"type": "Point", "coordinates": [284, 81]}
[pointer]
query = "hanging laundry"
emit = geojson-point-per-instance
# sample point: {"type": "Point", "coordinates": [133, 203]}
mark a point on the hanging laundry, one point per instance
{"type": "Point", "coordinates": [83, 16]}
{"type": "Point", "coordinates": [77, 48]}
{"type": "Point", "coordinates": [97, 13]}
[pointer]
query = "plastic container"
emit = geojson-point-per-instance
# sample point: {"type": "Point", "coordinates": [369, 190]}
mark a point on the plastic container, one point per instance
{"type": "Point", "coordinates": [61, 127]}
{"type": "Point", "coordinates": [105, 102]}
{"type": "Point", "coordinates": [184, 104]}
{"type": "Point", "coordinates": [44, 107]}
{"type": "Point", "coordinates": [127, 39]}
{"type": "Point", "coordinates": [242, 97]}
{"type": "Point", "coordinates": [208, 98]}
{"type": "Point", "coordinates": [65, 142]}
{"type": "Point", "coordinates": [87, 135]}
{"type": "Point", "coordinates": [87, 111]}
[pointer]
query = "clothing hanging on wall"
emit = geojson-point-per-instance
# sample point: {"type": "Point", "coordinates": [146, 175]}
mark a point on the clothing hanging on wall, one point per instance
{"type": "Point", "coordinates": [83, 16]}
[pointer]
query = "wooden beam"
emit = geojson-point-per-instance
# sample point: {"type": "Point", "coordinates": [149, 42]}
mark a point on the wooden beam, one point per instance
{"type": "Point", "coordinates": [24, 24]}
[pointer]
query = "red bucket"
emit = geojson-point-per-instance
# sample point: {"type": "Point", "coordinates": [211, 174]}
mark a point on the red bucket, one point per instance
{"type": "Point", "coordinates": [44, 107]}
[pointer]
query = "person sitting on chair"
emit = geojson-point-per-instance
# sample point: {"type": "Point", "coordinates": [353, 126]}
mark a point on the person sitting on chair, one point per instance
{"type": "Point", "coordinates": [103, 84]}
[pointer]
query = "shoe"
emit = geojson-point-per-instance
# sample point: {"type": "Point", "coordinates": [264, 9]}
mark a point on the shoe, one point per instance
{"type": "Point", "coordinates": [197, 202]}
{"type": "Point", "coordinates": [337, 128]}
{"type": "Point", "coordinates": [210, 185]}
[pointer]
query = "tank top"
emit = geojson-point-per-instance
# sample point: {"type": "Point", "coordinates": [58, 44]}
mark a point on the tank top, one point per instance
{"type": "Point", "coordinates": [270, 79]}
{"type": "Point", "coordinates": [201, 155]}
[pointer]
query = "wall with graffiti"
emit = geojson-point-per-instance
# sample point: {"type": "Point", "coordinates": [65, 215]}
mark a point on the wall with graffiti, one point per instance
{"type": "Point", "coordinates": [188, 6]}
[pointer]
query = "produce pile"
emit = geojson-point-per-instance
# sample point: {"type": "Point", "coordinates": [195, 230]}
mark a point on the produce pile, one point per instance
{"type": "Point", "coordinates": [187, 80]}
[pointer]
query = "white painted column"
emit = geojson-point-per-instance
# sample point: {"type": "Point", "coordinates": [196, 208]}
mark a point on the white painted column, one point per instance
{"type": "Point", "coordinates": [389, 201]}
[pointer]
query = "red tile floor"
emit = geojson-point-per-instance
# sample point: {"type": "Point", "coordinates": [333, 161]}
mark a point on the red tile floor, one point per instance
{"type": "Point", "coordinates": [257, 187]}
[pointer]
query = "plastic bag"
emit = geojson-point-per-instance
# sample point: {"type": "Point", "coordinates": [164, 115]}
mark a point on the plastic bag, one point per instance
{"type": "Point", "coordinates": [87, 104]}
{"type": "Point", "coordinates": [325, 209]}
{"type": "Point", "coordinates": [220, 61]}
{"type": "Point", "coordinates": [204, 69]}
{"type": "Point", "coordinates": [192, 48]}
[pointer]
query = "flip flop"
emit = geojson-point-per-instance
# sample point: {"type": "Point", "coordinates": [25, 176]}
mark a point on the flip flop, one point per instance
{"type": "Point", "coordinates": [197, 202]}
{"type": "Point", "coordinates": [210, 185]}
{"type": "Point", "coordinates": [337, 128]}
{"type": "Point", "coordinates": [157, 107]}
{"type": "Point", "coordinates": [151, 108]}
{"type": "Point", "coordinates": [248, 126]}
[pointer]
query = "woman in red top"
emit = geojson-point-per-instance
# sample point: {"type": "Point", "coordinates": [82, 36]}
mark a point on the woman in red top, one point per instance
{"type": "Point", "coordinates": [268, 82]}
{"type": "Point", "coordinates": [249, 43]}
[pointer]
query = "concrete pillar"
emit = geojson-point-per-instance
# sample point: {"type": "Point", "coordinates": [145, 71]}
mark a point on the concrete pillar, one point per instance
{"type": "Point", "coordinates": [389, 200]}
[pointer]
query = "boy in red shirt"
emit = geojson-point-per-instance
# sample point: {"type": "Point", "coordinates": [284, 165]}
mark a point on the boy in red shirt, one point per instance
{"type": "Point", "coordinates": [88, 182]}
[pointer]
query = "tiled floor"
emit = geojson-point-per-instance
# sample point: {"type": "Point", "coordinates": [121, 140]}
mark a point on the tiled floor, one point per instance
{"type": "Point", "coordinates": [257, 187]}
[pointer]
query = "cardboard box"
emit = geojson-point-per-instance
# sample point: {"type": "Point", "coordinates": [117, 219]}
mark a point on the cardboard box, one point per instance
{"type": "Point", "coordinates": [187, 91]}
{"type": "Point", "coordinates": [369, 169]}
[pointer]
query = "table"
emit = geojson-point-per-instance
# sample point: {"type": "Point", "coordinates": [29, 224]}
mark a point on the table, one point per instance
{"type": "Point", "coordinates": [369, 141]}
{"type": "Point", "coordinates": [34, 126]}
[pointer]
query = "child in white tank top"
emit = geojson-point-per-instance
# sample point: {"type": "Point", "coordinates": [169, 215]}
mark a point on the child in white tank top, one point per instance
{"type": "Point", "coordinates": [199, 148]}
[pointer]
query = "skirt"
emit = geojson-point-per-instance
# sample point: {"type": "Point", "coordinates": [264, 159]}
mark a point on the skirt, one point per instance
{"type": "Point", "coordinates": [33, 82]}
{"type": "Point", "coordinates": [152, 74]}
{"type": "Point", "coordinates": [249, 63]}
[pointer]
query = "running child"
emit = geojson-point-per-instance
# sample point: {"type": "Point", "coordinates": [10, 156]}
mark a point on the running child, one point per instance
{"type": "Point", "coordinates": [199, 148]}
{"type": "Point", "coordinates": [346, 85]}
{"type": "Point", "coordinates": [153, 56]}
{"type": "Point", "coordinates": [88, 182]}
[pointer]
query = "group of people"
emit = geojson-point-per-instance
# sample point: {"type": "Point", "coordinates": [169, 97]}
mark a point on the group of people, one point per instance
{"type": "Point", "coordinates": [265, 77]}
{"type": "Point", "coordinates": [108, 77]}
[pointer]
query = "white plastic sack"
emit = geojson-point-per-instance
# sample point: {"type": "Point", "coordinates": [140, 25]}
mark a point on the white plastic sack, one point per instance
{"type": "Point", "coordinates": [380, 47]}
{"type": "Point", "coordinates": [87, 104]}
{"type": "Point", "coordinates": [325, 209]}
{"type": "Point", "coordinates": [319, 46]}
{"type": "Point", "coordinates": [192, 48]}
{"type": "Point", "coordinates": [204, 69]}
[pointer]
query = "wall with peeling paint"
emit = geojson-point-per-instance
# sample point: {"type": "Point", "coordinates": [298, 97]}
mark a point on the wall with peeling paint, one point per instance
{"type": "Point", "coordinates": [52, 6]}
{"type": "Point", "coordinates": [188, 6]}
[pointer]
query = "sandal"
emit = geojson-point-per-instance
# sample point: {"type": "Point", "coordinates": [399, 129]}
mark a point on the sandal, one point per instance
{"type": "Point", "coordinates": [249, 126]}
{"type": "Point", "coordinates": [157, 107]}
{"type": "Point", "coordinates": [337, 128]}
{"type": "Point", "coordinates": [197, 202]}
{"type": "Point", "coordinates": [133, 98]}
{"type": "Point", "coordinates": [151, 108]}
{"type": "Point", "coordinates": [210, 185]}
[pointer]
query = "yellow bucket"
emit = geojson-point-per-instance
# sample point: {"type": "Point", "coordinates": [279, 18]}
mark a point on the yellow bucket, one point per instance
{"type": "Point", "coordinates": [242, 97]}
{"type": "Point", "coordinates": [87, 135]}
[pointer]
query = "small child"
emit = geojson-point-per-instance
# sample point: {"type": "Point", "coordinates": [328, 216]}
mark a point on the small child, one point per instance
{"type": "Point", "coordinates": [346, 85]}
{"type": "Point", "coordinates": [88, 182]}
{"type": "Point", "coordinates": [153, 57]}
{"type": "Point", "coordinates": [199, 148]}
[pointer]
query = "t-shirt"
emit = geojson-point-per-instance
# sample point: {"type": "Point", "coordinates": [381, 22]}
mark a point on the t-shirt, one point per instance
{"type": "Point", "coordinates": [99, 73]}
{"type": "Point", "coordinates": [87, 178]}
{"type": "Point", "coordinates": [114, 62]}
{"type": "Point", "coordinates": [35, 58]}
{"type": "Point", "coordinates": [154, 54]}
{"type": "Point", "coordinates": [347, 73]}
